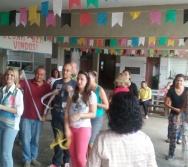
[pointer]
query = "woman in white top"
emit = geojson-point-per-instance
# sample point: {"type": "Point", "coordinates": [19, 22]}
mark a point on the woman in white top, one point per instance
{"type": "Point", "coordinates": [55, 75]}
{"type": "Point", "coordinates": [81, 106]}
{"type": "Point", "coordinates": [11, 109]}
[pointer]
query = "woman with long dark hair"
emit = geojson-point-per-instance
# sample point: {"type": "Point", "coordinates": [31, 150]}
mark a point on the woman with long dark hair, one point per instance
{"type": "Point", "coordinates": [81, 106]}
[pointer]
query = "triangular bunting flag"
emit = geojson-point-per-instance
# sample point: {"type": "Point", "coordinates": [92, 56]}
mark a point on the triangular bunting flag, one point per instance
{"type": "Point", "coordinates": [170, 42]}
{"type": "Point", "coordinates": [107, 42]}
{"type": "Point", "coordinates": [37, 20]}
{"type": "Point", "coordinates": [84, 18]}
{"type": "Point", "coordinates": [162, 41]}
{"type": "Point", "coordinates": [4, 19]}
{"type": "Point", "coordinates": [17, 19]}
{"type": "Point", "coordinates": [32, 13]}
{"type": "Point", "coordinates": [171, 16]}
{"type": "Point", "coordinates": [141, 41]}
{"type": "Point", "coordinates": [72, 2]}
{"type": "Point", "coordinates": [44, 8]}
{"type": "Point", "coordinates": [102, 18]}
{"type": "Point", "coordinates": [151, 41]}
{"type": "Point", "coordinates": [181, 42]}
{"type": "Point", "coordinates": [155, 17]}
{"type": "Point", "coordinates": [23, 16]}
{"type": "Point", "coordinates": [57, 7]}
{"type": "Point", "coordinates": [117, 18]}
{"type": "Point", "coordinates": [135, 15]}
{"type": "Point", "coordinates": [185, 18]}
{"type": "Point", "coordinates": [12, 16]}
{"type": "Point", "coordinates": [65, 19]}
{"type": "Point", "coordinates": [94, 2]}
{"type": "Point", "coordinates": [51, 20]}
{"type": "Point", "coordinates": [99, 42]}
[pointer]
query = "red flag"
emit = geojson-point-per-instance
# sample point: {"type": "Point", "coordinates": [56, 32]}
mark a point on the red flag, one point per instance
{"type": "Point", "coordinates": [84, 18]}
{"type": "Point", "coordinates": [72, 2]}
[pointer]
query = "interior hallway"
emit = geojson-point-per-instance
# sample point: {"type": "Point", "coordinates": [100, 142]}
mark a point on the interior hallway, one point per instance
{"type": "Point", "coordinates": [155, 127]}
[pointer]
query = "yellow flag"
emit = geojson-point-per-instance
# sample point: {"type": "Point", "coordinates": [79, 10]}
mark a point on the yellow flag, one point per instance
{"type": "Point", "coordinates": [152, 51]}
{"type": "Point", "coordinates": [121, 51]}
{"type": "Point", "coordinates": [59, 141]}
{"type": "Point", "coordinates": [32, 12]}
{"type": "Point", "coordinates": [152, 40]}
{"type": "Point", "coordinates": [37, 20]}
{"type": "Point", "coordinates": [135, 15]}
{"type": "Point", "coordinates": [170, 42]}
{"type": "Point", "coordinates": [112, 51]}
{"type": "Point", "coordinates": [81, 41]}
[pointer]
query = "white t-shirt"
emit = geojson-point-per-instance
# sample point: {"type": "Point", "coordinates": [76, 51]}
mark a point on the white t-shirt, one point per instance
{"type": "Point", "coordinates": [81, 107]}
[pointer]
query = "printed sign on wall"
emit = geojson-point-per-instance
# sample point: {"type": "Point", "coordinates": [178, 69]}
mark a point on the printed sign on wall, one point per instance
{"type": "Point", "coordinates": [26, 43]}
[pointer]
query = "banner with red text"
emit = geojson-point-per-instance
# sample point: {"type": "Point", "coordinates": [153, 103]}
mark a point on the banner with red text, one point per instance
{"type": "Point", "coordinates": [26, 43]}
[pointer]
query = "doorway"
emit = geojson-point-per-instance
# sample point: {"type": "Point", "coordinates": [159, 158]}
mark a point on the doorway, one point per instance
{"type": "Point", "coordinates": [152, 72]}
{"type": "Point", "coordinates": [107, 71]}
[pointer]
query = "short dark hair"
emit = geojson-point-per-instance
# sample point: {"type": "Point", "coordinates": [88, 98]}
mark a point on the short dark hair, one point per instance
{"type": "Point", "coordinates": [124, 113]}
{"type": "Point", "coordinates": [127, 71]}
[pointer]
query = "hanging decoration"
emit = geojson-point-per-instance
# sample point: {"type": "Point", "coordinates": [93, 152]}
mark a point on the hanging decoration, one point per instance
{"type": "Point", "coordinates": [117, 18]}
{"type": "Point", "coordinates": [84, 18]}
{"type": "Point", "coordinates": [66, 19]}
{"type": "Point", "coordinates": [76, 2]}
{"type": "Point", "coordinates": [155, 17]}
{"type": "Point", "coordinates": [44, 8]}
{"type": "Point", "coordinates": [102, 18]}
{"type": "Point", "coordinates": [94, 2]}
{"type": "Point", "coordinates": [23, 16]}
{"type": "Point", "coordinates": [170, 16]}
{"type": "Point", "coordinates": [12, 17]}
{"type": "Point", "coordinates": [135, 15]}
{"type": "Point", "coordinates": [57, 7]}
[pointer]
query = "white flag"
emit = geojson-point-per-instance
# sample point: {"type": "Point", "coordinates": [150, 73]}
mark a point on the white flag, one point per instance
{"type": "Point", "coordinates": [141, 41]}
{"type": "Point", "coordinates": [57, 7]}
{"type": "Point", "coordinates": [117, 18]}
{"type": "Point", "coordinates": [181, 42]}
{"type": "Point", "coordinates": [17, 19]}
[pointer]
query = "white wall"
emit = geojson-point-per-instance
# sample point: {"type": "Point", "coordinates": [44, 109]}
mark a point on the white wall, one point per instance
{"type": "Point", "coordinates": [173, 65]}
{"type": "Point", "coordinates": [134, 62]}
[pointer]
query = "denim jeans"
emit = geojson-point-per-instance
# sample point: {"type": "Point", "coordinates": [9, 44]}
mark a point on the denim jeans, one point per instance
{"type": "Point", "coordinates": [7, 137]}
{"type": "Point", "coordinates": [145, 106]}
{"type": "Point", "coordinates": [30, 133]}
{"type": "Point", "coordinates": [58, 152]}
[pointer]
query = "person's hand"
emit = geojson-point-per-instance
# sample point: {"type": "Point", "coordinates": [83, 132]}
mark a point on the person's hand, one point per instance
{"type": "Point", "coordinates": [68, 88]}
{"type": "Point", "coordinates": [177, 110]}
{"type": "Point", "coordinates": [43, 118]}
{"type": "Point", "coordinates": [75, 117]}
{"type": "Point", "coordinates": [68, 132]}
{"type": "Point", "coordinates": [56, 92]}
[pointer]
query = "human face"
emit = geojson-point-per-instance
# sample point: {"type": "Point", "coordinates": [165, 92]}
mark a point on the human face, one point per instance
{"type": "Point", "coordinates": [10, 77]}
{"type": "Point", "coordinates": [92, 78]}
{"type": "Point", "coordinates": [126, 73]}
{"type": "Point", "coordinates": [67, 70]}
{"type": "Point", "coordinates": [144, 84]}
{"type": "Point", "coordinates": [179, 82]}
{"type": "Point", "coordinates": [40, 75]}
{"type": "Point", "coordinates": [81, 81]}
{"type": "Point", "coordinates": [55, 74]}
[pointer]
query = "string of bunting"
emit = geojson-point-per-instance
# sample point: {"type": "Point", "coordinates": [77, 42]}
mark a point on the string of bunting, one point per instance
{"type": "Point", "coordinates": [34, 17]}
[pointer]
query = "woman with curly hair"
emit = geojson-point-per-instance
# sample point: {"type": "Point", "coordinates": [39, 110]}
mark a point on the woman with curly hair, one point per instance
{"type": "Point", "coordinates": [123, 144]}
{"type": "Point", "coordinates": [81, 106]}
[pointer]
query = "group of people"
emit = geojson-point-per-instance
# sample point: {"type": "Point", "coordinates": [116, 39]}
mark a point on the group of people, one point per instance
{"type": "Point", "coordinates": [77, 111]}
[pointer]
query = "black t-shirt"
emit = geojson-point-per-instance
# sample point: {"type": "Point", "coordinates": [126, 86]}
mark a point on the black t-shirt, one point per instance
{"type": "Point", "coordinates": [133, 89]}
{"type": "Point", "coordinates": [177, 101]}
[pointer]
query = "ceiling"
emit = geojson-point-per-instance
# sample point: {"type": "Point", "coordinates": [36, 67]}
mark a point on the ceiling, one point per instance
{"type": "Point", "coordinates": [8, 5]}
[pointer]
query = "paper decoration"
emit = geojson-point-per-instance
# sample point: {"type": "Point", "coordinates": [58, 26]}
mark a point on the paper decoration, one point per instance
{"type": "Point", "coordinates": [66, 39]}
{"type": "Point", "coordinates": [105, 51]}
{"type": "Point", "coordinates": [133, 52]}
{"type": "Point", "coordinates": [134, 41]}
{"type": "Point", "coordinates": [113, 42]}
{"type": "Point", "coordinates": [181, 51]}
{"type": "Point", "coordinates": [99, 42]}
{"type": "Point", "coordinates": [129, 42]}
{"type": "Point", "coordinates": [185, 16]}
{"type": "Point", "coordinates": [181, 42]}
{"type": "Point", "coordinates": [135, 15]}
{"type": "Point", "coordinates": [44, 8]}
{"type": "Point", "coordinates": [17, 19]}
{"type": "Point", "coordinates": [23, 16]}
{"type": "Point", "coordinates": [117, 18]}
{"type": "Point", "coordinates": [112, 51]}
{"type": "Point", "coordinates": [94, 2]}
{"type": "Point", "coordinates": [12, 16]}
{"type": "Point", "coordinates": [107, 42]}
{"type": "Point", "coordinates": [81, 41]}
{"type": "Point", "coordinates": [60, 39]}
{"type": "Point", "coordinates": [57, 7]}
{"type": "Point", "coordinates": [155, 17]}
{"type": "Point", "coordinates": [170, 16]}
{"type": "Point", "coordinates": [102, 18]}
{"type": "Point", "coordinates": [76, 2]}
{"type": "Point", "coordinates": [170, 42]}
{"type": "Point", "coordinates": [50, 20]}
{"type": "Point", "coordinates": [151, 41]}
{"type": "Point", "coordinates": [37, 20]}
{"type": "Point", "coordinates": [4, 19]}
{"type": "Point", "coordinates": [185, 39]}
{"type": "Point", "coordinates": [141, 41]}
{"type": "Point", "coordinates": [84, 18]}
{"type": "Point", "coordinates": [128, 51]}
{"type": "Point", "coordinates": [98, 51]}
{"type": "Point", "coordinates": [32, 13]}
{"type": "Point", "coordinates": [124, 42]}
{"type": "Point", "coordinates": [65, 19]}
{"type": "Point", "coordinates": [91, 42]}
{"type": "Point", "coordinates": [162, 41]}
{"type": "Point", "coordinates": [73, 41]}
